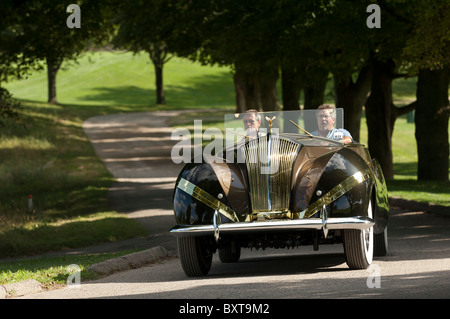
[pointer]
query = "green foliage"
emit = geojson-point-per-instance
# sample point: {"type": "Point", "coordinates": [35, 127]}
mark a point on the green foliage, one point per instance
{"type": "Point", "coordinates": [429, 44]}
{"type": "Point", "coordinates": [15, 58]}
{"type": "Point", "coordinates": [44, 27]}
{"type": "Point", "coordinates": [144, 25]}
{"type": "Point", "coordinates": [8, 108]}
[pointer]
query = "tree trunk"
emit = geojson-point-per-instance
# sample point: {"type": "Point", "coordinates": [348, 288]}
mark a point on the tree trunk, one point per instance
{"type": "Point", "coordinates": [431, 119]}
{"type": "Point", "coordinates": [252, 92]}
{"type": "Point", "coordinates": [247, 90]}
{"type": "Point", "coordinates": [53, 66]}
{"type": "Point", "coordinates": [380, 116]}
{"type": "Point", "coordinates": [160, 98]}
{"type": "Point", "coordinates": [268, 89]}
{"type": "Point", "coordinates": [351, 97]}
{"type": "Point", "coordinates": [158, 55]}
{"type": "Point", "coordinates": [314, 92]}
{"type": "Point", "coordinates": [291, 87]}
{"type": "Point", "coordinates": [257, 89]}
{"type": "Point", "coordinates": [239, 88]}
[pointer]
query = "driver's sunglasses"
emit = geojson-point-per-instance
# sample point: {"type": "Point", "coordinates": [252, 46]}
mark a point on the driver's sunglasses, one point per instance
{"type": "Point", "coordinates": [249, 121]}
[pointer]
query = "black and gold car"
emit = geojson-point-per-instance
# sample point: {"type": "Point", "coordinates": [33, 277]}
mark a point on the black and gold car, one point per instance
{"type": "Point", "coordinates": [281, 186]}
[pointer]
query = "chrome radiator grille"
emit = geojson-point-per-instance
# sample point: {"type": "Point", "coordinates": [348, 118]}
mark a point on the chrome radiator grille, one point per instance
{"type": "Point", "coordinates": [269, 162]}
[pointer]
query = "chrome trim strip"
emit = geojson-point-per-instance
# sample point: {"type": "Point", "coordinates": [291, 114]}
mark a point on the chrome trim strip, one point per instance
{"type": "Point", "coordinates": [269, 148]}
{"type": "Point", "coordinates": [207, 199]}
{"type": "Point", "coordinates": [358, 222]}
{"type": "Point", "coordinates": [325, 220]}
{"type": "Point", "coordinates": [336, 192]}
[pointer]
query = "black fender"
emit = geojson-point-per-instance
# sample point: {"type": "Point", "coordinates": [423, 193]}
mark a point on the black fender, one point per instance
{"type": "Point", "coordinates": [325, 174]}
{"type": "Point", "coordinates": [189, 210]}
{"type": "Point", "coordinates": [225, 182]}
{"type": "Point", "coordinates": [380, 199]}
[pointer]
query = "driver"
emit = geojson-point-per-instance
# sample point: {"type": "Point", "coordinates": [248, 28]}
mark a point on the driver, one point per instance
{"type": "Point", "coordinates": [326, 117]}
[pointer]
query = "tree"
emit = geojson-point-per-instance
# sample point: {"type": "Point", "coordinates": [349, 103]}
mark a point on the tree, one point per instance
{"type": "Point", "coordinates": [8, 107]}
{"type": "Point", "coordinates": [303, 62]}
{"type": "Point", "coordinates": [385, 61]}
{"type": "Point", "coordinates": [427, 53]}
{"type": "Point", "coordinates": [415, 37]}
{"type": "Point", "coordinates": [250, 43]}
{"type": "Point", "coordinates": [328, 37]}
{"type": "Point", "coordinates": [150, 26]}
{"type": "Point", "coordinates": [16, 56]}
{"type": "Point", "coordinates": [349, 45]}
{"type": "Point", "coordinates": [381, 114]}
{"type": "Point", "coordinates": [244, 35]}
{"type": "Point", "coordinates": [50, 39]}
{"type": "Point", "coordinates": [431, 119]}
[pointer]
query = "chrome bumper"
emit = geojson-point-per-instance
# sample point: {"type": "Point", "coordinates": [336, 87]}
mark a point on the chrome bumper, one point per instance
{"type": "Point", "coordinates": [359, 222]}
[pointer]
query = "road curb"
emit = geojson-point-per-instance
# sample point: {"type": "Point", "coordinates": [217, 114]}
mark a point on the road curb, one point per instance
{"type": "Point", "coordinates": [22, 288]}
{"type": "Point", "coordinates": [2, 292]}
{"type": "Point", "coordinates": [130, 261]}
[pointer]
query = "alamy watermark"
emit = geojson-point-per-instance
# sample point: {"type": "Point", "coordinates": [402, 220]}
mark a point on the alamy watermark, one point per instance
{"type": "Point", "coordinates": [74, 279]}
{"type": "Point", "coordinates": [374, 19]}
{"type": "Point", "coordinates": [374, 278]}
{"type": "Point", "coordinates": [74, 20]}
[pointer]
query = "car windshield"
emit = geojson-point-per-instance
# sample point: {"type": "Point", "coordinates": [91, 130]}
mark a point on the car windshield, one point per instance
{"type": "Point", "coordinates": [301, 125]}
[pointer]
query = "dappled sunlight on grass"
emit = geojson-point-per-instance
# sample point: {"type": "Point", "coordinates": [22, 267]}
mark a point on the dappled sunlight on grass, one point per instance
{"type": "Point", "coordinates": [27, 143]}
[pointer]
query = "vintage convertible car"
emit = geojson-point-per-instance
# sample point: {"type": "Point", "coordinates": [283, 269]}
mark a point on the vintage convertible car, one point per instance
{"type": "Point", "coordinates": [282, 188]}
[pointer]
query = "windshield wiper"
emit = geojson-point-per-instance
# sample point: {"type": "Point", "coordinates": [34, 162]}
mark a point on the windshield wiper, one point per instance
{"type": "Point", "coordinates": [310, 135]}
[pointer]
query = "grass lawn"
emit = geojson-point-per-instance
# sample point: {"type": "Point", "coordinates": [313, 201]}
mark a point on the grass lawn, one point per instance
{"type": "Point", "coordinates": [52, 272]}
{"type": "Point", "coordinates": [50, 157]}
{"type": "Point", "coordinates": [112, 82]}
{"type": "Point", "coordinates": [405, 184]}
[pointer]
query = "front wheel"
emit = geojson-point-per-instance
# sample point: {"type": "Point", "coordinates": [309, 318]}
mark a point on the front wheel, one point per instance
{"type": "Point", "coordinates": [358, 245]}
{"type": "Point", "coordinates": [195, 255]}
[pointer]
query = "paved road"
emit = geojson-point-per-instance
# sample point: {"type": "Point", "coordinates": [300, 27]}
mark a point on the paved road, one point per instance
{"type": "Point", "coordinates": [134, 147]}
{"type": "Point", "coordinates": [136, 150]}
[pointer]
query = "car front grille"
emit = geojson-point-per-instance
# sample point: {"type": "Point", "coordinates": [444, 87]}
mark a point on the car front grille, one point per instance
{"type": "Point", "coordinates": [269, 161]}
